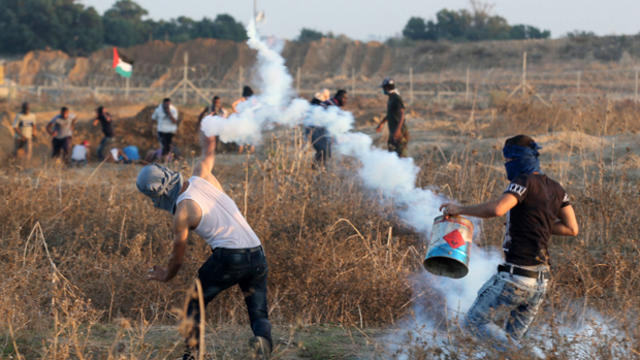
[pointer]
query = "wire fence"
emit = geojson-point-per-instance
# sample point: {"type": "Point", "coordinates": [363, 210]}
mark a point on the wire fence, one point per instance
{"type": "Point", "coordinates": [195, 84]}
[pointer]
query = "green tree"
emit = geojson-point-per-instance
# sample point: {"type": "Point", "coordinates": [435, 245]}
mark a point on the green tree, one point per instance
{"type": "Point", "coordinates": [307, 35]}
{"type": "Point", "coordinates": [58, 24]}
{"type": "Point", "coordinates": [522, 32]}
{"type": "Point", "coordinates": [123, 24]}
{"type": "Point", "coordinates": [462, 25]}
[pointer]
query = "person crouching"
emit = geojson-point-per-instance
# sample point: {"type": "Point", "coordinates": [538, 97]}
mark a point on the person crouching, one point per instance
{"type": "Point", "coordinates": [200, 204]}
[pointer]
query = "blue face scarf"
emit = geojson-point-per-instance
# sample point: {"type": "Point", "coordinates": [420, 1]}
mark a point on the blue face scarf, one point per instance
{"type": "Point", "coordinates": [524, 160]}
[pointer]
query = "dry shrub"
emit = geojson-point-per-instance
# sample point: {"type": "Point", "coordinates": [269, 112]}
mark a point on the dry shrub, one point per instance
{"type": "Point", "coordinates": [336, 251]}
{"type": "Point", "coordinates": [593, 117]}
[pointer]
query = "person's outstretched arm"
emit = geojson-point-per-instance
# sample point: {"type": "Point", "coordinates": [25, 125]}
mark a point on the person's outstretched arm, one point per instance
{"type": "Point", "coordinates": [182, 220]}
{"type": "Point", "coordinates": [494, 208]}
{"type": "Point", "coordinates": [205, 166]}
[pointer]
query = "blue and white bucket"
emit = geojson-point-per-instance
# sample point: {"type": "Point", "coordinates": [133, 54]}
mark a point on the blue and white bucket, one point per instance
{"type": "Point", "coordinates": [448, 252]}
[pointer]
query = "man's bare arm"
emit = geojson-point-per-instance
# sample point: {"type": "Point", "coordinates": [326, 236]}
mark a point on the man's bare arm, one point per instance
{"type": "Point", "coordinates": [567, 225]}
{"type": "Point", "coordinates": [204, 168]}
{"type": "Point", "coordinates": [379, 128]}
{"type": "Point", "coordinates": [494, 208]}
{"type": "Point", "coordinates": [181, 223]}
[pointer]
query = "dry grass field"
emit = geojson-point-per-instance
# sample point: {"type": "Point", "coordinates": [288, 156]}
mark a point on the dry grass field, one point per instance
{"type": "Point", "coordinates": [75, 244]}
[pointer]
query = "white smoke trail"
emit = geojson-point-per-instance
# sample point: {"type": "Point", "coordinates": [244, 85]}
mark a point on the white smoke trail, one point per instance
{"type": "Point", "coordinates": [381, 170]}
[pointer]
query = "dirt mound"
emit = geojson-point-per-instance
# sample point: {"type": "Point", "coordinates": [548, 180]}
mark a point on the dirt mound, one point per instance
{"type": "Point", "coordinates": [328, 62]}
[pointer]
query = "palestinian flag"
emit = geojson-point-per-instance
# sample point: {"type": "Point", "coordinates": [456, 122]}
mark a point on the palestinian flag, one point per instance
{"type": "Point", "coordinates": [122, 65]}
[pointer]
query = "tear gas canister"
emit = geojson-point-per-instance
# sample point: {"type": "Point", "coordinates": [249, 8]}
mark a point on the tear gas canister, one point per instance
{"type": "Point", "coordinates": [449, 247]}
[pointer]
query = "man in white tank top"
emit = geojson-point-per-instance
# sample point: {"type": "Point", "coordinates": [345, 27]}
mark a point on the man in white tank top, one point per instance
{"type": "Point", "coordinates": [200, 204]}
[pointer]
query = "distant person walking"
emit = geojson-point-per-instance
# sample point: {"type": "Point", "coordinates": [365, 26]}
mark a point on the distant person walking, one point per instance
{"type": "Point", "coordinates": [395, 118]}
{"type": "Point", "coordinates": [24, 127]}
{"type": "Point", "coordinates": [247, 93]}
{"type": "Point", "coordinates": [200, 204]}
{"type": "Point", "coordinates": [106, 122]}
{"type": "Point", "coordinates": [321, 140]}
{"type": "Point", "coordinates": [61, 130]}
{"type": "Point", "coordinates": [166, 117]}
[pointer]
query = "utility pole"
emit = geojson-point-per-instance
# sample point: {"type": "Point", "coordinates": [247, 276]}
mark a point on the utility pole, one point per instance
{"type": "Point", "coordinates": [255, 10]}
{"type": "Point", "coordinates": [411, 85]}
{"type": "Point", "coordinates": [353, 82]}
{"type": "Point", "coordinates": [635, 97]}
{"type": "Point", "coordinates": [578, 80]}
{"type": "Point", "coordinates": [185, 79]}
{"type": "Point", "coordinates": [466, 87]}
{"type": "Point", "coordinates": [524, 73]}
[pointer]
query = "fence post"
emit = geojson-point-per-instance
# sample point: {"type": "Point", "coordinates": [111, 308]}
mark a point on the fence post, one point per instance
{"type": "Point", "coordinates": [579, 78]}
{"type": "Point", "coordinates": [298, 75]}
{"type": "Point", "coordinates": [353, 82]}
{"type": "Point", "coordinates": [524, 73]}
{"type": "Point", "coordinates": [411, 85]}
{"type": "Point", "coordinates": [185, 77]}
{"type": "Point", "coordinates": [240, 78]}
{"type": "Point", "coordinates": [635, 97]}
{"type": "Point", "coordinates": [438, 88]}
{"type": "Point", "coordinates": [466, 88]}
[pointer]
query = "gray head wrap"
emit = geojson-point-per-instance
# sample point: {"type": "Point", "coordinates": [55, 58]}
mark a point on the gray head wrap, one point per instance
{"type": "Point", "coordinates": [161, 185]}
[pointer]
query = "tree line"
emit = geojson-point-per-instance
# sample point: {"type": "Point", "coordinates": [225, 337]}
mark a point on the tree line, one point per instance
{"type": "Point", "coordinates": [69, 26]}
{"type": "Point", "coordinates": [464, 25]}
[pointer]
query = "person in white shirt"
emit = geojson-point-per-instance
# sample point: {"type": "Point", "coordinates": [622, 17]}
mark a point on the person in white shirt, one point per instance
{"type": "Point", "coordinates": [80, 154]}
{"type": "Point", "coordinates": [24, 127]}
{"type": "Point", "coordinates": [200, 204]}
{"type": "Point", "coordinates": [166, 117]}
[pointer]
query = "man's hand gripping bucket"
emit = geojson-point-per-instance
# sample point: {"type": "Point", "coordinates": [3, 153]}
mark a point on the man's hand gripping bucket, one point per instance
{"type": "Point", "coordinates": [448, 253]}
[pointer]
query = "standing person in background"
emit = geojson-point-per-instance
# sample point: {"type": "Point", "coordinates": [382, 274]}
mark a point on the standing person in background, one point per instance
{"type": "Point", "coordinates": [536, 208]}
{"type": "Point", "coordinates": [320, 97]}
{"type": "Point", "coordinates": [201, 205]}
{"type": "Point", "coordinates": [61, 129]}
{"type": "Point", "coordinates": [24, 127]}
{"type": "Point", "coordinates": [166, 117]}
{"type": "Point", "coordinates": [247, 92]}
{"type": "Point", "coordinates": [398, 132]}
{"type": "Point", "coordinates": [106, 122]}
{"type": "Point", "coordinates": [215, 109]}
{"type": "Point", "coordinates": [320, 137]}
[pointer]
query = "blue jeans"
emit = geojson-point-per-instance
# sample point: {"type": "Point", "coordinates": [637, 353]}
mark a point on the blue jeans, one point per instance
{"type": "Point", "coordinates": [225, 268]}
{"type": "Point", "coordinates": [516, 297]}
{"type": "Point", "coordinates": [104, 143]}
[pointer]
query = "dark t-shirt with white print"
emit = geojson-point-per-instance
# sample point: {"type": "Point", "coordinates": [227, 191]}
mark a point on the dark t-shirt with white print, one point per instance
{"type": "Point", "coordinates": [529, 223]}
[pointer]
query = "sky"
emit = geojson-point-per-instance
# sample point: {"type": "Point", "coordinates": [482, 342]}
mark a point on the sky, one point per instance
{"type": "Point", "coordinates": [380, 19]}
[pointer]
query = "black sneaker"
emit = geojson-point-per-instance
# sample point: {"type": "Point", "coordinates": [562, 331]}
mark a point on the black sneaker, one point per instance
{"type": "Point", "coordinates": [260, 348]}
